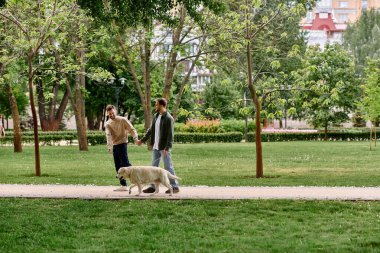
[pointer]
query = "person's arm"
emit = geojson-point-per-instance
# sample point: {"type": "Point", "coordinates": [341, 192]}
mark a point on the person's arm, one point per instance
{"type": "Point", "coordinates": [131, 130]}
{"type": "Point", "coordinates": [170, 133]}
{"type": "Point", "coordinates": [148, 132]}
{"type": "Point", "coordinates": [109, 138]}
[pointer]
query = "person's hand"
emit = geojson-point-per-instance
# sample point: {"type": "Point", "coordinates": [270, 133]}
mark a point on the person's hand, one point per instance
{"type": "Point", "coordinates": [138, 142]}
{"type": "Point", "coordinates": [109, 151]}
{"type": "Point", "coordinates": [166, 152]}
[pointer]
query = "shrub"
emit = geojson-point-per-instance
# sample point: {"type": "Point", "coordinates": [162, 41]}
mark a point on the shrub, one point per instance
{"type": "Point", "coordinates": [236, 126]}
{"type": "Point", "coordinates": [202, 126]}
{"type": "Point", "coordinates": [207, 137]}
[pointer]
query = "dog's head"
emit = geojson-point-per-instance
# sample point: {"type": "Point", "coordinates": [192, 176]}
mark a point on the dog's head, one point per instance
{"type": "Point", "coordinates": [123, 173]}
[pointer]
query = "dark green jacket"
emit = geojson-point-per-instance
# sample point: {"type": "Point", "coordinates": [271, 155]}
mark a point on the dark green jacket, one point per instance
{"type": "Point", "coordinates": [166, 132]}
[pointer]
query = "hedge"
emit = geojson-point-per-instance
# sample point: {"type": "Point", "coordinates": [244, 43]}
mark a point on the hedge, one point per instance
{"type": "Point", "coordinates": [331, 136]}
{"type": "Point", "coordinates": [98, 137]}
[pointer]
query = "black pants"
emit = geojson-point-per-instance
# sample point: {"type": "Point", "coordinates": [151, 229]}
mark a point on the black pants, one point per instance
{"type": "Point", "coordinates": [120, 157]}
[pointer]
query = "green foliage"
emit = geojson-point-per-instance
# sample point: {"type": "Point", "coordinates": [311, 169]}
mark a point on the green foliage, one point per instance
{"type": "Point", "coordinates": [207, 137]}
{"type": "Point", "coordinates": [362, 39]}
{"type": "Point", "coordinates": [221, 96]}
{"type": "Point", "coordinates": [200, 135]}
{"type": "Point", "coordinates": [99, 138]}
{"type": "Point", "coordinates": [236, 126]}
{"type": "Point", "coordinates": [271, 30]}
{"type": "Point", "coordinates": [142, 12]}
{"type": "Point", "coordinates": [331, 136]}
{"type": "Point", "coordinates": [21, 99]}
{"type": "Point", "coordinates": [371, 100]}
{"type": "Point", "coordinates": [79, 225]}
{"type": "Point", "coordinates": [312, 163]}
{"type": "Point", "coordinates": [274, 28]}
{"type": "Point", "coordinates": [329, 88]}
{"type": "Point", "coordinates": [201, 126]}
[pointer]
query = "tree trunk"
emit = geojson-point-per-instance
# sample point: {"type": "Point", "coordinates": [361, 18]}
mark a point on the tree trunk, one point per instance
{"type": "Point", "coordinates": [172, 60]}
{"type": "Point", "coordinates": [17, 137]}
{"type": "Point", "coordinates": [181, 89]}
{"type": "Point", "coordinates": [375, 135]}
{"type": "Point", "coordinates": [76, 97]}
{"type": "Point", "coordinates": [257, 103]}
{"type": "Point", "coordinates": [144, 98]}
{"type": "Point", "coordinates": [91, 122]}
{"type": "Point", "coordinates": [370, 137]}
{"type": "Point", "coordinates": [325, 132]}
{"type": "Point", "coordinates": [185, 81]}
{"type": "Point", "coordinates": [147, 82]}
{"type": "Point", "coordinates": [34, 114]}
{"type": "Point", "coordinates": [52, 120]}
{"type": "Point", "coordinates": [79, 107]}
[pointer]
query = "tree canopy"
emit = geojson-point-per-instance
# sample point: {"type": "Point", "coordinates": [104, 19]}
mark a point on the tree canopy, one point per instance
{"type": "Point", "coordinates": [329, 87]}
{"type": "Point", "coordinates": [362, 39]}
{"type": "Point", "coordinates": [141, 12]}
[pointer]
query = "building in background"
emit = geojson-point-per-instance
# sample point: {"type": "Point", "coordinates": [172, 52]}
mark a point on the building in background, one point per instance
{"type": "Point", "coordinates": [329, 19]}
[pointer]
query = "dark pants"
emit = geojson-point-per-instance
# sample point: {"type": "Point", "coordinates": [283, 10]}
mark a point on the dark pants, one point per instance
{"type": "Point", "coordinates": [120, 157]}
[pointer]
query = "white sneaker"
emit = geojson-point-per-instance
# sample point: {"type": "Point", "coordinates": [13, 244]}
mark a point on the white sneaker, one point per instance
{"type": "Point", "coordinates": [121, 189]}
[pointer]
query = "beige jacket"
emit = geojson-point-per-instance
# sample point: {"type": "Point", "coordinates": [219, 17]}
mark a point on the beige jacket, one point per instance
{"type": "Point", "coordinates": [117, 131]}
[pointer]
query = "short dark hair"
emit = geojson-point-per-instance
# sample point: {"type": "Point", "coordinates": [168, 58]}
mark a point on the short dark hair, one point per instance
{"type": "Point", "coordinates": [110, 107]}
{"type": "Point", "coordinates": [162, 101]}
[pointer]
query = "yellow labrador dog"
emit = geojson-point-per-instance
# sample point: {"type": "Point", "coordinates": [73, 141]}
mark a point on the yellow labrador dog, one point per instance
{"type": "Point", "coordinates": [140, 175]}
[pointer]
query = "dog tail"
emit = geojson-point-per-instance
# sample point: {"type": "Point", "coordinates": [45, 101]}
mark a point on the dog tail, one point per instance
{"type": "Point", "coordinates": [171, 176]}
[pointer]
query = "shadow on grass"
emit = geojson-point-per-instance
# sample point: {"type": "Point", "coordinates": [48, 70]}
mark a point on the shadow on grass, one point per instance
{"type": "Point", "coordinates": [254, 177]}
{"type": "Point", "coordinates": [34, 175]}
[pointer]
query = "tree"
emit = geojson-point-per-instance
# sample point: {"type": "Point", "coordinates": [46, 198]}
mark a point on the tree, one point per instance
{"type": "Point", "coordinates": [221, 96]}
{"type": "Point", "coordinates": [249, 38]}
{"type": "Point", "coordinates": [187, 52]}
{"type": "Point", "coordinates": [135, 45]}
{"type": "Point", "coordinates": [51, 102]}
{"type": "Point", "coordinates": [371, 99]}
{"type": "Point", "coordinates": [143, 12]}
{"type": "Point", "coordinates": [329, 86]}
{"type": "Point", "coordinates": [31, 33]}
{"type": "Point", "coordinates": [13, 98]}
{"type": "Point", "coordinates": [70, 57]}
{"type": "Point", "coordinates": [362, 39]}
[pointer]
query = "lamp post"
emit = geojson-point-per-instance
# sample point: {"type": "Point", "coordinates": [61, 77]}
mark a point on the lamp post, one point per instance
{"type": "Point", "coordinates": [117, 88]}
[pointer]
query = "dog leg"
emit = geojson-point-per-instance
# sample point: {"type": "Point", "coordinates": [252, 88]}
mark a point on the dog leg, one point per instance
{"type": "Point", "coordinates": [140, 189]}
{"type": "Point", "coordinates": [157, 186]}
{"type": "Point", "coordinates": [168, 185]}
{"type": "Point", "coordinates": [165, 181]}
{"type": "Point", "coordinates": [130, 188]}
{"type": "Point", "coordinates": [171, 191]}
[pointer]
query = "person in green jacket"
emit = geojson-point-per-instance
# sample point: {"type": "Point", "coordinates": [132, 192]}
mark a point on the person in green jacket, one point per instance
{"type": "Point", "coordinates": [160, 137]}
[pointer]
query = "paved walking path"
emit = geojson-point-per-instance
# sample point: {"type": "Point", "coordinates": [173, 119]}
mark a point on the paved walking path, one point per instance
{"type": "Point", "coordinates": [192, 192]}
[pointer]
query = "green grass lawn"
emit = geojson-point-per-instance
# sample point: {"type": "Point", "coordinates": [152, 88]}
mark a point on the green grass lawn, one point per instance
{"type": "Point", "coordinates": [48, 225]}
{"type": "Point", "coordinates": [43, 225]}
{"type": "Point", "coordinates": [285, 164]}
